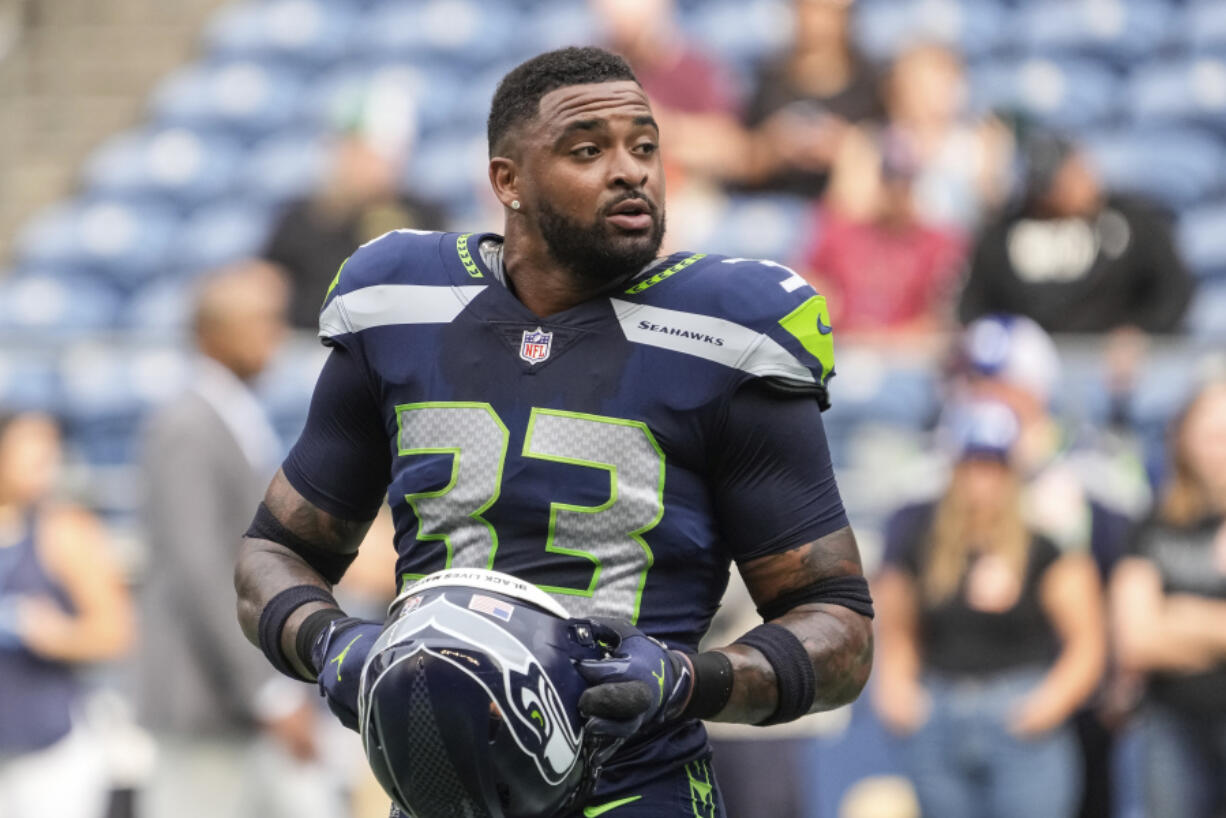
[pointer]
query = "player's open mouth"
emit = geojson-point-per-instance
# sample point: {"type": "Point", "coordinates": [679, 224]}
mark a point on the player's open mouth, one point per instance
{"type": "Point", "coordinates": [631, 214]}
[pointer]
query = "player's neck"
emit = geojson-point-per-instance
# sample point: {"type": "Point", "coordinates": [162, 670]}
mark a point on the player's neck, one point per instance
{"type": "Point", "coordinates": [540, 281]}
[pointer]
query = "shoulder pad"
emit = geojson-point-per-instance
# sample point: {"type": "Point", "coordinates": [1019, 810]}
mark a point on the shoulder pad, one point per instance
{"type": "Point", "coordinates": [398, 271]}
{"type": "Point", "coordinates": [773, 324]}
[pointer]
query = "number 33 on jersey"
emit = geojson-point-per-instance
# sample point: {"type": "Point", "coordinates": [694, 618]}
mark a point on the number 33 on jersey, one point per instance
{"type": "Point", "coordinates": [575, 450]}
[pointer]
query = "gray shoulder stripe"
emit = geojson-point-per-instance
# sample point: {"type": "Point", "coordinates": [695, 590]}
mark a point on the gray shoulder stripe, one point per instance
{"type": "Point", "coordinates": [704, 336]}
{"type": "Point", "coordinates": [387, 304]}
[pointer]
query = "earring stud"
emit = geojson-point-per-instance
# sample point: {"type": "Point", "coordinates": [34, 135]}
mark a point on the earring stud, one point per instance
{"type": "Point", "coordinates": [515, 204]}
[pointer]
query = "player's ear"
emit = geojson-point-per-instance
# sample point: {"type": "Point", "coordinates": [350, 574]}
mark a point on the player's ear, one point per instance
{"type": "Point", "coordinates": [504, 179]}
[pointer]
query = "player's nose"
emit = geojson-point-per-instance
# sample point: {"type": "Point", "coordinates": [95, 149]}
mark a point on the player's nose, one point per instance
{"type": "Point", "coordinates": [627, 170]}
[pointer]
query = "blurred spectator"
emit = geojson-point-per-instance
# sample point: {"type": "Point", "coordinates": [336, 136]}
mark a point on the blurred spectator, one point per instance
{"type": "Point", "coordinates": [692, 96]}
{"type": "Point", "coordinates": [359, 200]}
{"type": "Point", "coordinates": [62, 604]}
{"type": "Point", "coordinates": [205, 691]}
{"type": "Point", "coordinates": [1169, 616]}
{"type": "Point", "coordinates": [961, 163]}
{"type": "Point", "coordinates": [1083, 486]}
{"type": "Point", "coordinates": [883, 270]}
{"type": "Point", "coordinates": [1074, 257]}
{"type": "Point", "coordinates": [990, 638]}
{"type": "Point", "coordinates": [802, 103]}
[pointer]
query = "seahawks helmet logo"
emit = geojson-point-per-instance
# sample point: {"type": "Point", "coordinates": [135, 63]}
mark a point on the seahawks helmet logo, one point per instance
{"type": "Point", "coordinates": [530, 705]}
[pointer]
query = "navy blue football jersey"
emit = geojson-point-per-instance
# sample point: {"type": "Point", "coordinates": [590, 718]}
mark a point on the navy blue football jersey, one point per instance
{"type": "Point", "coordinates": [574, 451]}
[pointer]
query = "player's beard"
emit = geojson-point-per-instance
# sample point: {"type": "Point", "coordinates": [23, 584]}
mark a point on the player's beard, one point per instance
{"type": "Point", "coordinates": [599, 253]}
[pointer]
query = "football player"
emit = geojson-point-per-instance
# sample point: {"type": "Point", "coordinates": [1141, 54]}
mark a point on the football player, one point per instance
{"type": "Point", "coordinates": [559, 404]}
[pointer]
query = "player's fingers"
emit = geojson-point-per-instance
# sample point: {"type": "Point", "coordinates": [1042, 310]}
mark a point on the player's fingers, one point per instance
{"type": "Point", "coordinates": [597, 671]}
{"type": "Point", "coordinates": [616, 700]}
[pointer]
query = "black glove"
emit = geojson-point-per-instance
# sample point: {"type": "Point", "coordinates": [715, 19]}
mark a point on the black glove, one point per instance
{"type": "Point", "coordinates": [640, 685]}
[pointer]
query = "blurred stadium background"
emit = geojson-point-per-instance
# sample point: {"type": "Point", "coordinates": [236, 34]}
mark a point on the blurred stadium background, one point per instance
{"type": "Point", "coordinates": [146, 142]}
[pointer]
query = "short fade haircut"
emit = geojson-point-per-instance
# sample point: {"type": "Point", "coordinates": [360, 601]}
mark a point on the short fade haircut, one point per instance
{"type": "Point", "coordinates": [518, 97]}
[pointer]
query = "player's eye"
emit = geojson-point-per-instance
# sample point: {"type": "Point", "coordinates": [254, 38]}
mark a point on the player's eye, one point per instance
{"type": "Point", "coordinates": [585, 151]}
{"type": "Point", "coordinates": [646, 148]}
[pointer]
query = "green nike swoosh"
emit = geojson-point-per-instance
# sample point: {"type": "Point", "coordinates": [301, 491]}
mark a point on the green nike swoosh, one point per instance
{"type": "Point", "coordinates": [660, 678]}
{"type": "Point", "coordinates": [592, 812]}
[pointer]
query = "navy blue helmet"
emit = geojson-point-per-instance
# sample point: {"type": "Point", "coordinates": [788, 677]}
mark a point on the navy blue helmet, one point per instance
{"type": "Point", "coordinates": [469, 700]}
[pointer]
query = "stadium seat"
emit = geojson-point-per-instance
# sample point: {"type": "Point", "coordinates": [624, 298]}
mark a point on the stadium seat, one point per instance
{"type": "Point", "coordinates": [252, 98]}
{"type": "Point", "coordinates": [56, 305]}
{"type": "Point", "coordinates": [126, 240]}
{"type": "Point", "coordinates": [29, 379]}
{"type": "Point", "coordinates": [222, 233]}
{"type": "Point", "coordinates": [313, 32]}
{"type": "Point", "coordinates": [754, 227]}
{"type": "Point", "coordinates": [1202, 241]}
{"type": "Point", "coordinates": [160, 310]}
{"type": "Point", "coordinates": [1203, 27]}
{"type": "Point", "coordinates": [974, 27]}
{"type": "Point", "coordinates": [431, 95]}
{"type": "Point", "coordinates": [1121, 31]}
{"type": "Point", "coordinates": [468, 33]}
{"type": "Point", "coordinates": [554, 24]}
{"type": "Point", "coordinates": [1188, 90]}
{"type": "Point", "coordinates": [1069, 94]}
{"type": "Point", "coordinates": [1206, 318]}
{"type": "Point", "coordinates": [1178, 167]}
{"type": "Point", "coordinates": [449, 167]}
{"type": "Point", "coordinates": [185, 165]}
{"type": "Point", "coordinates": [284, 167]}
{"type": "Point", "coordinates": [741, 31]}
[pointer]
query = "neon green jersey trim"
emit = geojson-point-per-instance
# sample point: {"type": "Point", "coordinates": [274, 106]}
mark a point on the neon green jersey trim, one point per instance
{"type": "Point", "coordinates": [810, 324]}
{"type": "Point", "coordinates": [701, 800]}
{"type": "Point", "coordinates": [601, 809]}
{"type": "Point", "coordinates": [461, 246]}
{"type": "Point", "coordinates": [336, 279]}
{"type": "Point", "coordinates": [671, 271]}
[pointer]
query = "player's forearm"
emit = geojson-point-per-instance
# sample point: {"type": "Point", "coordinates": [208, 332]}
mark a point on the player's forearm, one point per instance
{"type": "Point", "coordinates": [265, 569]}
{"type": "Point", "coordinates": [839, 644]}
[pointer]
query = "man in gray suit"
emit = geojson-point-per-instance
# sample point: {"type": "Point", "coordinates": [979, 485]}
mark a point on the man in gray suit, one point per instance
{"type": "Point", "coordinates": [232, 740]}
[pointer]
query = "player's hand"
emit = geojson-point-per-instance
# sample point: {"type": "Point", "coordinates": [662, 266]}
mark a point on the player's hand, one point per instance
{"type": "Point", "coordinates": [640, 684]}
{"type": "Point", "coordinates": [338, 656]}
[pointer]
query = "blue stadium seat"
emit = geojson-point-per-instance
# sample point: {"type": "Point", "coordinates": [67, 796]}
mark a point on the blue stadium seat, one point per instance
{"type": "Point", "coordinates": [1202, 240]}
{"type": "Point", "coordinates": [1066, 94]}
{"type": "Point", "coordinates": [554, 24]}
{"type": "Point", "coordinates": [284, 167]}
{"type": "Point", "coordinates": [467, 32]}
{"type": "Point", "coordinates": [1178, 167]}
{"type": "Point", "coordinates": [1206, 318]}
{"type": "Point", "coordinates": [29, 379]}
{"type": "Point", "coordinates": [177, 162]}
{"type": "Point", "coordinates": [160, 310]}
{"type": "Point", "coordinates": [1118, 30]}
{"type": "Point", "coordinates": [741, 30]}
{"type": "Point", "coordinates": [126, 240]}
{"type": "Point", "coordinates": [432, 90]}
{"type": "Point", "coordinates": [222, 233]}
{"type": "Point", "coordinates": [1203, 26]}
{"type": "Point", "coordinates": [974, 27]}
{"type": "Point", "coordinates": [756, 227]}
{"type": "Point", "coordinates": [252, 98]}
{"type": "Point", "coordinates": [314, 32]}
{"type": "Point", "coordinates": [450, 168]}
{"type": "Point", "coordinates": [1189, 90]}
{"type": "Point", "coordinates": [56, 304]}
{"type": "Point", "coordinates": [285, 389]}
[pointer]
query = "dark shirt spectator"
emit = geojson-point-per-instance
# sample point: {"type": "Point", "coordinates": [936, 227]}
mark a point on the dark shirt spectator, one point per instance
{"type": "Point", "coordinates": [803, 102]}
{"type": "Point", "coordinates": [1077, 259]}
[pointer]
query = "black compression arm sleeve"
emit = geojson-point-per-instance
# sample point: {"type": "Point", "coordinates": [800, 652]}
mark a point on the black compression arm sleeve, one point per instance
{"type": "Point", "coordinates": [342, 460]}
{"type": "Point", "coordinates": [772, 479]}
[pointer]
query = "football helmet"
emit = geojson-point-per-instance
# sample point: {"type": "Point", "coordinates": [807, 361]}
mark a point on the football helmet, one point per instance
{"type": "Point", "coordinates": [468, 704]}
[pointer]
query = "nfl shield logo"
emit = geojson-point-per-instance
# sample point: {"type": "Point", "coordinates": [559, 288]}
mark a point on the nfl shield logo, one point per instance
{"type": "Point", "coordinates": [535, 347]}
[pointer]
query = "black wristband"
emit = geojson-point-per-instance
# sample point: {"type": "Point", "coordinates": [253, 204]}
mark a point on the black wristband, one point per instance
{"type": "Point", "coordinates": [794, 675]}
{"type": "Point", "coordinates": [273, 618]}
{"type": "Point", "coordinates": [712, 685]}
{"type": "Point", "coordinates": [309, 632]}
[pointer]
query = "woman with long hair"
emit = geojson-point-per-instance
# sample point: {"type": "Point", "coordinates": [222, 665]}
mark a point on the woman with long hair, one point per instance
{"type": "Point", "coordinates": [62, 603]}
{"type": "Point", "coordinates": [1168, 613]}
{"type": "Point", "coordinates": [989, 638]}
